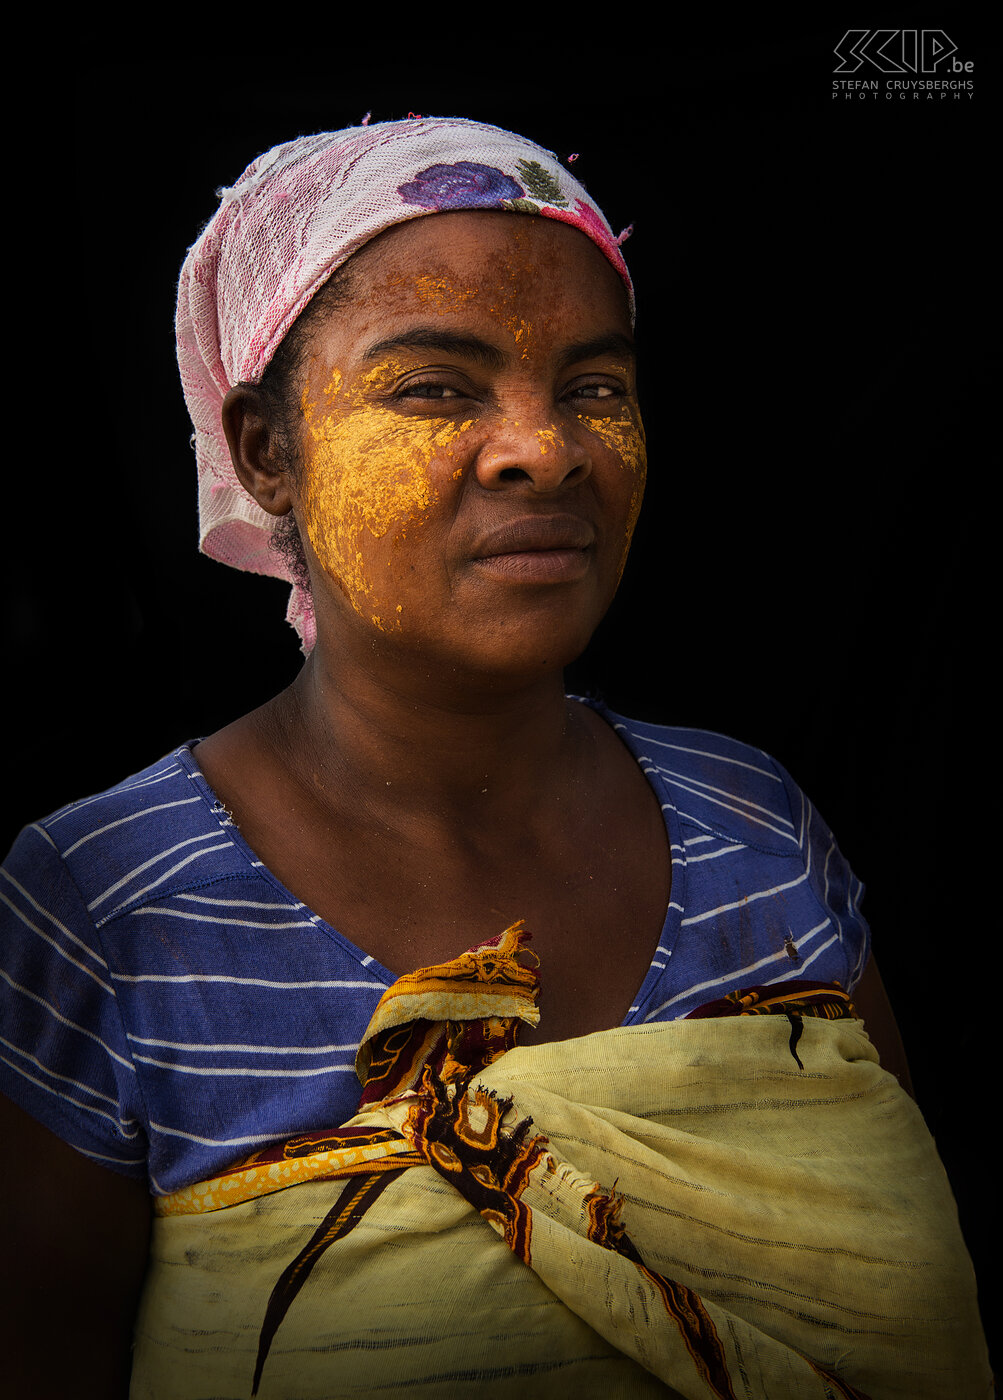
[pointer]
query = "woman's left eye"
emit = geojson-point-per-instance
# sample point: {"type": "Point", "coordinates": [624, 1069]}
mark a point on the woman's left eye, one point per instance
{"type": "Point", "coordinates": [603, 394]}
{"type": "Point", "coordinates": [597, 389]}
{"type": "Point", "coordinates": [428, 391]}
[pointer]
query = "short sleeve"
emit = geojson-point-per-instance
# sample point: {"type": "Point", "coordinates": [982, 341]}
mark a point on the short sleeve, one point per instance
{"type": "Point", "coordinates": [835, 886]}
{"type": "Point", "coordinates": [64, 1054]}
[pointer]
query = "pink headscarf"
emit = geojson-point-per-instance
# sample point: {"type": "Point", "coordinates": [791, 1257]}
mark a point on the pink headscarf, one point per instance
{"type": "Point", "coordinates": [295, 215]}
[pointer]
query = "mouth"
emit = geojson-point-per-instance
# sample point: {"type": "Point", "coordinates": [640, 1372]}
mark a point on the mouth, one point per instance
{"type": "Point", "coordinates": [537, 549]}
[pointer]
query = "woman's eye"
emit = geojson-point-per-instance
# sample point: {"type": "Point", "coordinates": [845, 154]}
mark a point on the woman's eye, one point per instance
{"type": "Point", "coordinates": [428, 391]}
{"type": "Point", "coordinates": [596, 391]}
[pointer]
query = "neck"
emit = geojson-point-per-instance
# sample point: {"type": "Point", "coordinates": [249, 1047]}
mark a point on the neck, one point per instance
{"type": "Point", "coordinates": [484, 752]}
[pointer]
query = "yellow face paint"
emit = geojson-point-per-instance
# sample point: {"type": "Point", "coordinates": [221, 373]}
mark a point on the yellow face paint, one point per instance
{"type": "Point", "coordinates": [624, 436]}
{"type": "Point", "coordinates": [521, 331]}
{"type": "Point", "coordinates": [367, 476]}
{"type": "Point", "coordinates": [439, 294]}
{"type": "Point", "coordinates": [548, 440]}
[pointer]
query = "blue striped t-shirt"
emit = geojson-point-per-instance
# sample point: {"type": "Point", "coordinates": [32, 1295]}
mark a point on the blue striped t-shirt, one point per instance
{"type": "Point", "coordinates": [167, 1006]}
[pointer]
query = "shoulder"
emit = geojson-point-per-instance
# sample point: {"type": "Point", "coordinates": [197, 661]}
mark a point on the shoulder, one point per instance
{"type": "Point", "coordinates": [155, 825]}
{"type": "Point", "coordinates": [67, 947]}
{"type": "Point", "coordinates": [160, 787]}
{"type": "Point", "coordinates": [746, 829]}
{"type": "Point", "coordinates": [717, 783]}
{"type": "Point", "coordinates": [67, 1059]}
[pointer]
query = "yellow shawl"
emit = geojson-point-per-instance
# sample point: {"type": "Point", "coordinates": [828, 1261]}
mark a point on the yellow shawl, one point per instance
{"type": "Point", "coordinates": [738, 1206]}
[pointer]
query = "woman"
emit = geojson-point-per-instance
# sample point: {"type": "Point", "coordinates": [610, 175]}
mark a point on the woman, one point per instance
{"type": "Point", "coordinates": [430, 426]}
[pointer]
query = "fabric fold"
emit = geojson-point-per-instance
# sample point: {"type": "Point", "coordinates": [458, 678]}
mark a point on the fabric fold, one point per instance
{"type": "Point", "coordinates": [741, 1204]}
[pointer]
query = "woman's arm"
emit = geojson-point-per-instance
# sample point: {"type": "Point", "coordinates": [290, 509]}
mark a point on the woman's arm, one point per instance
{"type": "Point", "coordinates": [76, 1238]}
{"type": "Point", "coordinates": [872, 1004]}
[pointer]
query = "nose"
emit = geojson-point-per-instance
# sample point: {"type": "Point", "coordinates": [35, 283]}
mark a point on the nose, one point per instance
{"type": "Point", "coordinates": [544, 455]}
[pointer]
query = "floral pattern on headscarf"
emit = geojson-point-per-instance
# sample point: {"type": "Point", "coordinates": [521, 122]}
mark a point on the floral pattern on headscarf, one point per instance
{"type": "Point", "coordinates": [462, 185]}
{"type": "Point", "coordinates": [465, 184]}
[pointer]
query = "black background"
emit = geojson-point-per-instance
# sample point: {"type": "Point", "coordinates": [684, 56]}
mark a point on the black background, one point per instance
{"type": "Point", "coordinates": [815, 289]}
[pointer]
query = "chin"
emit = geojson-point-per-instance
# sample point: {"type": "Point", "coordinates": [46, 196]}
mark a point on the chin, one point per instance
{"type": "Point", "coordinates": [529, 653]}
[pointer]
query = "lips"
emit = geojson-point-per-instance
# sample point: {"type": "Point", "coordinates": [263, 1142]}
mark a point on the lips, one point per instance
{"type": "Point", "coordinates": [537, 549]}
{"type": "Point", "coordinates": [534, 534]}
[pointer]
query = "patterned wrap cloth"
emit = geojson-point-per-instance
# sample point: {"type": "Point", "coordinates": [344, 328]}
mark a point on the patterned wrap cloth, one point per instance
{"type": "Point", "coordinates": [741, 1205]}
{"type": "Point", "coordinates": [295, 215]}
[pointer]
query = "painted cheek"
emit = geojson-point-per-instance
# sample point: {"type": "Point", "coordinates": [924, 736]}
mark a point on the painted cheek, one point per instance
{"type": "Point", "coordinates": [624, 437]}
{"type": "Point", "coordinates": [368, 476]}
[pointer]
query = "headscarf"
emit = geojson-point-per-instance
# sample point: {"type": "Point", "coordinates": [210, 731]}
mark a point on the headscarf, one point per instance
{"type": "Point", "coordinates": [295, 215]}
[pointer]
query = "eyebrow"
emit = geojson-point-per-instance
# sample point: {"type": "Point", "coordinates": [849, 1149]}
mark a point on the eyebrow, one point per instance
{"type": "Point", "coordinates": [602, 345]}
{"type": "Point", "coordinates": [471, 347]}
{"type": "Point", "coordinates": [482, 352]}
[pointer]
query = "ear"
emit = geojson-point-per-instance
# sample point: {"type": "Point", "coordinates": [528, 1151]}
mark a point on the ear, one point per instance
{"type": "Point", "coordinates": [255, 450]}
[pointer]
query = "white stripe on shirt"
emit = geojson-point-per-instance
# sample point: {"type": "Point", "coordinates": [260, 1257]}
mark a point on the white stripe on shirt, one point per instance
{"type": "Point", "coordinates": [66, 1021]}
{"type": "Point", "coordinates": [737, 811]}
{"type": "Point", "coordinates": [238, 981]}
{"type": "Point", "coordinates": [68, 1098]}
{"type": "Point", "coordinates": [150, 780]}
{"type": "Point", "coordinates": [133, 816]}
{"type": "Point", "coordinates": [47, 938]}
{"type": "Point", "coordinates": [217, 1142]}
{"type": "Point", "coordinates": [681, 779]}
{"type": "Point", "coordinates": [65, 1078]}
{"type": "Point", "coordinates": [218, 920]}
{"type": "Point", "coordinates": [240, 903]}
{"type": "Point", "coordinates": [200, 1048]}
{"type": "Point", "coordinates": [56, 923]}
{"type": "Point", "coordinates": [713, 855]}
{"type": "Point", "coordinates": [245, 1071]}
{"type": "Point", "coordinates": [739, 903]}
{"type": "Point", "coordinates": [154, 860]}
{"type": "Point", "coordinates": [728, 977]}
{"type": "Point", "coordinates": [138, 894]}
{"type": "Point", "coordinates": [703, 753]}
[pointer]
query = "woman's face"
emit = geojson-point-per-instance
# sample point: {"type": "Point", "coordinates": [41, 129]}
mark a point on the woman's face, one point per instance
{"type": "Point", "coordinates": [473, 452]}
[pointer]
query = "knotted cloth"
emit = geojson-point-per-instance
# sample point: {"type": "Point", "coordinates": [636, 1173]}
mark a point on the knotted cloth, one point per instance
{"type": "Point", "coordinates": [295, 215]}
{"type": "Point", "coordinates": [741, 1205]}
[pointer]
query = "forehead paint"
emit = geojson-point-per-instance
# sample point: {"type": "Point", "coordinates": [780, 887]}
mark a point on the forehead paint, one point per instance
{"type": "Point", "coordinates": [436, 291]}
{"type": "Point", "coordinates": [440, 293]}
{"type": "Point", "coordinates": [517, 271]}
{"type": "Point", "coordinates": [504, 277]}
{"type": "Point", "coordinates": [368, 475]}
{"type": "Point", "coordinates": [518, 328]}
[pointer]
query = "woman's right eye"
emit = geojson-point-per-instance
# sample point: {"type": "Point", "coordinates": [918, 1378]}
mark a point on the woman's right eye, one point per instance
{"type": "Point", "coordinates": [431, 390]}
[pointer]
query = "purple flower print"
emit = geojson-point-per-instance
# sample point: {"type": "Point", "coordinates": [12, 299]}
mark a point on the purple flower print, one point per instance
{"type": "Point", "coordinates": [464, 185]}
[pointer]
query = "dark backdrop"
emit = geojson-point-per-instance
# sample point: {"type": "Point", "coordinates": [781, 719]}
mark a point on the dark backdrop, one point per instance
{"type": "Point", "coordinates": [815, 289]}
